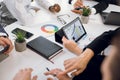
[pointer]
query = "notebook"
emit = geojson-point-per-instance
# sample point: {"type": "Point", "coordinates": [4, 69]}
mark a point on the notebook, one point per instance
{"type": "Point", "coordinates": [112, 18]}
{"type": "Point", "coordinates": [44, 47]}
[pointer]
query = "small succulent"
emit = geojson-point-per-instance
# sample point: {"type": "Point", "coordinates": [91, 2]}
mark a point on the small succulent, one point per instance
{"type": "Point", "coordinates": [20, 36]}
{"type": "Point", "coordinates": [86, 11]}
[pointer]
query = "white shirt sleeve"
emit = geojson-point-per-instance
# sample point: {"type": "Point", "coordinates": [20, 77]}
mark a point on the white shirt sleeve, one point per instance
{"type": "Point", "coordinates": [3, 34]}
{"type": "Point", "coordinates": [18, 9]}
{"type": "Point", "coordinates": [93, 10]}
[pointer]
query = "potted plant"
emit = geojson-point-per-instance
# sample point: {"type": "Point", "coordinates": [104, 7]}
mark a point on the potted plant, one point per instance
{"type": "Point", "coordinates": [20, 42]}
{"type": "Point", "coordinates": [85, 14]}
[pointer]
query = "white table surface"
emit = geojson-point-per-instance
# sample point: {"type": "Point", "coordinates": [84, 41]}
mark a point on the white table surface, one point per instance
{"type": "Point", "coordinates": [19, 60]}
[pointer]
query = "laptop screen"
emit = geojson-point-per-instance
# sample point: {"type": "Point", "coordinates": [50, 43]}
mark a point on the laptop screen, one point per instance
{"type": "Point", "coordinates": [74, 30]}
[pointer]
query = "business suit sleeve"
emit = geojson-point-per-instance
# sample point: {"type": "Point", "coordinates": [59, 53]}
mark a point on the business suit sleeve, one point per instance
{"type": "Point", "coordinates": [102, 5]}
{"type": "Point", "coordinates": [102, 42]}
{"type": "Point", "coordinates": [2, 31]}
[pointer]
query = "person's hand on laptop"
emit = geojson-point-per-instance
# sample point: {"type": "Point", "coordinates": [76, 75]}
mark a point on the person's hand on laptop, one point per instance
{"type": "Point", "coordinates": [78, 4]}
{"type": "Point", "coordinates": [25, 74]}
{"type": "Point", "coordinates": [71, 46]}
{"type": "Point", "coordinates": [5, 41]}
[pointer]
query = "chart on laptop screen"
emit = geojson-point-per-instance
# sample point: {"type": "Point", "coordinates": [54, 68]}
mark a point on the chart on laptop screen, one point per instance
{"type": "Point", "coordinates": [74, 31]}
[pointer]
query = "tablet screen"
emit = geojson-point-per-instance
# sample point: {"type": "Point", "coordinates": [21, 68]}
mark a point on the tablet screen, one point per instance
{"type": "Point", "coordinates": [74, 30]}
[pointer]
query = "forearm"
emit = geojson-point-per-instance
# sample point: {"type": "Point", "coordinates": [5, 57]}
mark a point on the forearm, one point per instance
{"type": "Point", "coordinates": [78, 51]}
{"type": "Point", "coordinates": [87, 54]}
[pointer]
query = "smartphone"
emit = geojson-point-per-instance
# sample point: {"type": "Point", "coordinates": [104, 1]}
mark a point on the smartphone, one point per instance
{"type": "Point", "coordinates": [27, 35]}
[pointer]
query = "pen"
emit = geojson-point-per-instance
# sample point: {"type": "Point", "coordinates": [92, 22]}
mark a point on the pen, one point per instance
{"type": "Point", "coordinates": [70, 1]}
{"type": "Point", "coordinates": [47, 69]}
{"type": "Point", "coordinates": [78, 8]}
{"type": "Point", "coordinates": [54, 75]}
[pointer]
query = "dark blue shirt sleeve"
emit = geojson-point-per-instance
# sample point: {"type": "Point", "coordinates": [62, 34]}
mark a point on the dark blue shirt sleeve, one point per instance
{"type": "Point", "coordinates": [102, 5]}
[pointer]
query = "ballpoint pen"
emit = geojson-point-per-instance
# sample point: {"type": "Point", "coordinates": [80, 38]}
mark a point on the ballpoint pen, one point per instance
{"type": "Point", "coordinates": [47, 69]}
{"type": "Point", "coordinates": [70, 1]}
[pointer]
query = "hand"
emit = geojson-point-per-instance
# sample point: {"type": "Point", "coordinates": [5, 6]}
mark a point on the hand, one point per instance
{"type": "Point", "coordinates": [79, 63]}
{"type": "Point", "coordinates": [78, 3]}
{"type": "Point", "coordinates": [25, 74]}
{"type": "Point", "coordinates": [55, 8]}
{"type": "Point", "coordinates": [71, 46]}
{"type": "Point", "coordinates": [6, 42]}
{"type": "Point", "coordinates": [57, 73]}
{"type": "Point", "coordinates": [78, 67]}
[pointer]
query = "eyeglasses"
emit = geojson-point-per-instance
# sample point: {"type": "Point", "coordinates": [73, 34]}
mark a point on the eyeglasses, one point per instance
{"type": "Point", "coordinates": [60, 19]}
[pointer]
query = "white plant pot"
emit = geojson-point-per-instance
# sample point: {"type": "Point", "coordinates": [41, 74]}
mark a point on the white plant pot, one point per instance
{"type": "Point", "coordinates": [20, 46]}
{"type": "Point", "coordinates": [84, 19]}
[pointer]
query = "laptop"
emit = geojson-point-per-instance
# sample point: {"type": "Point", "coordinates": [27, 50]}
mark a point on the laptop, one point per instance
{"type": "Point", "coordinates": [112, 18]}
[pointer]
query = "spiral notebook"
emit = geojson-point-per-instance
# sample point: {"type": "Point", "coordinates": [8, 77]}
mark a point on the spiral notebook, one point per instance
{"type": "Point", "coordinates": [44, 47]}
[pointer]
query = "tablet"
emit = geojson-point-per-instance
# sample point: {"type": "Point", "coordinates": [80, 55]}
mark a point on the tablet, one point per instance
{"type": "Point", "coordinates": [74, 30]}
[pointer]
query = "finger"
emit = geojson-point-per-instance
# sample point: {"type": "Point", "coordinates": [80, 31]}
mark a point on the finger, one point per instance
{"type": "Point", "coordinates": [34, 78]}
{"type": "Point", "coordinates": [59, 70]}
{"type": "Point", "coordinates": [21, 70]}
{"type": "Point", "coordinates": [2, 43]}
{"type": "Point", "coordinates": [67, 66]}
{"type": "Point", "coordinates": [64, 39]}
{"type": "Point", "coordinates": [77, 11]}
{"type": "Point", "coordinates": [78, 4]}
{"type": "Point", "coordinates": [77, 72]}
{"type": "Point", "coordinates": [69, 70]}
{"type": "Point", "coordinates": [9, 50]}
{"type": "Point", "coordinates": [30, 69]}
{"type": "Point", "coordinates": [49, 79]}
{"type": "Point", "coordinates": [49, 72]}
{"type": "Point", "coordinates": [7, 42]}
{"type": "Point", "coordinates": [25, 69]}
{"type": "Point", "coordinates": [53, 72]}
{"type": "Point", "coordinates": [67, 61]}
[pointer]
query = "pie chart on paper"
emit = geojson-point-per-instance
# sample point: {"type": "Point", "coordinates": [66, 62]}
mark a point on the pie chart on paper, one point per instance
{"type": "Point", "coordinates": [49, 28]}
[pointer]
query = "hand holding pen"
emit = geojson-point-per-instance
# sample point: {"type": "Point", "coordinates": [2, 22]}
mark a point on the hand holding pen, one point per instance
{"type": "Point", "coordinates": [78, 7]}
{"type": "Point", "coordinates": [57, 74]}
